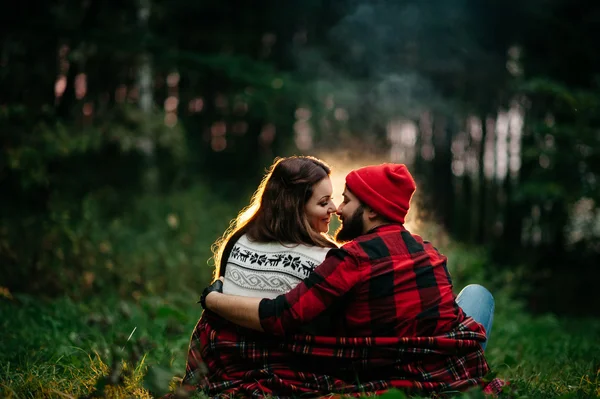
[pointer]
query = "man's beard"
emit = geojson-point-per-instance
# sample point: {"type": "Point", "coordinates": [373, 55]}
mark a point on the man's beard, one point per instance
{"type": "Point", "coordinates": [351, 227]}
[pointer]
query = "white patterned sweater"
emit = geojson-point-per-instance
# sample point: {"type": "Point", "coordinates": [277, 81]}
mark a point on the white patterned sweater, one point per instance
{"type": "Point", "coordinates": [266, 270]}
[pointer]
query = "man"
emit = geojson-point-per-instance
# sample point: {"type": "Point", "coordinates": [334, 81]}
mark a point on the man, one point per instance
{"type": "Point", "coordinates": [387, 283]}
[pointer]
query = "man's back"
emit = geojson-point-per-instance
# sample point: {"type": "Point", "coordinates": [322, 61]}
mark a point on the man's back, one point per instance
{"type": "Point", "coordinates": [387, 282]}
{"type": "Point", "coordinates": [404, 288]}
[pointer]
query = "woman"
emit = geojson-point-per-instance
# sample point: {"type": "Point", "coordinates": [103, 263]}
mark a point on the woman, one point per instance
{"type": "Point", "coordinates": [272, 245]}
{"type": "Point", "coordinates": [281, 236]}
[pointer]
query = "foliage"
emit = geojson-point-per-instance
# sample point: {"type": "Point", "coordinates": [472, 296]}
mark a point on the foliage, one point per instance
{"type": "Point", "coordinates": [156, 243]}
{"type": "Point", "coordinates": [558, 183]}
{"type": "Point", "coordinates": [561, 118]}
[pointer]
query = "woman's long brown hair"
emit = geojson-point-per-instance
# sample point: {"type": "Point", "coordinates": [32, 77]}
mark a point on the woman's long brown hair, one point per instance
{"type": "Point", "coordinates": [276, 211]}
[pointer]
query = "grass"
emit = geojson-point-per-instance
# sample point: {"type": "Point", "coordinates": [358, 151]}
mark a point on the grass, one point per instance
{"type": "Point", "coordinates": [546, 356]}
{"type": "Point", "coordinates": [64, 348]}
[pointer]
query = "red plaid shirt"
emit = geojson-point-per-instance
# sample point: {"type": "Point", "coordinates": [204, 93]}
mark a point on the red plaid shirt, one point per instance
{"type": "Point", "coordinates": [390, 282]}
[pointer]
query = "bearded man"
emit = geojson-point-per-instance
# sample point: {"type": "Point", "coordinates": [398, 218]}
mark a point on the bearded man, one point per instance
{"type": "Point", "coordinates": [397, 321]}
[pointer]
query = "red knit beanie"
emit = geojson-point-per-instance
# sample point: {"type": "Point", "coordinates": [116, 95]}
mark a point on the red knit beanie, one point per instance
{"type": "Point", "coordinates": [386, 188]}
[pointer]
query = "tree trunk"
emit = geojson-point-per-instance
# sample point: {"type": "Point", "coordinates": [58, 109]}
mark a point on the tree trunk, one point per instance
{"type": "Point", "coordinates": [442, 172]}
{"type": "Point", "coordinates": [482, 184]}
{"type": "Point", "coordinates": [146, 143]}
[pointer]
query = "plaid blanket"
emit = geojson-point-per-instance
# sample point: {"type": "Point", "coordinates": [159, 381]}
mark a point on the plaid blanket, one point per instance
{"type": "Point", "coordinates": [226, 360]}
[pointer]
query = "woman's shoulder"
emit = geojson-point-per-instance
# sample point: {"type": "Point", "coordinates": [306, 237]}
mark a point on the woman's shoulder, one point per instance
{"type": "Point", "coordinates": [310, 251]}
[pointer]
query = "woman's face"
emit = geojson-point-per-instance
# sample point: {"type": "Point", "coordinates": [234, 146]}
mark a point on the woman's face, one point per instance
{"type": "Point", "coordinates": [320, 206]}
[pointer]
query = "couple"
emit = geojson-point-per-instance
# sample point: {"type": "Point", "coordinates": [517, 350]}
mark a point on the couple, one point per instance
{"type": "Point", "coordinates": [291, 314]}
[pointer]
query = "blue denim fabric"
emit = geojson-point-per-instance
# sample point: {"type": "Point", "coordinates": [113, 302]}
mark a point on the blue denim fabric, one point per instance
{"type": "Point", "coordinates": [476, 301]}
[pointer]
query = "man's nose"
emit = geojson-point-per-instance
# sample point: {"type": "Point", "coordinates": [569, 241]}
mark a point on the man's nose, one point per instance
{"type": "Point", "coordinates": [338, 211]}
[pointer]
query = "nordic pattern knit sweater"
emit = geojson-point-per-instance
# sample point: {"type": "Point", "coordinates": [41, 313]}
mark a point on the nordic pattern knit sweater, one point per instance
{"type": "Point", "coordinates": [266, 270]}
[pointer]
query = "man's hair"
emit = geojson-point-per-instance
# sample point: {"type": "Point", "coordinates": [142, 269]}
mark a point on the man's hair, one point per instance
{"type": "Point", "coordinates": [276, 212]}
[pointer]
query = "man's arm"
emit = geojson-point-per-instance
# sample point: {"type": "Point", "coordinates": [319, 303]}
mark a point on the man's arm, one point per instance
{"type": "Point", "coordinates": [240, 310]}
{"type": "Point", "coordinates": [326, 285]}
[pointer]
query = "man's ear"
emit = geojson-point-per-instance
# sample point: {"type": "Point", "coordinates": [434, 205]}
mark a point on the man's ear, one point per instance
{"type": "Point", "coordinates": [370, 213]}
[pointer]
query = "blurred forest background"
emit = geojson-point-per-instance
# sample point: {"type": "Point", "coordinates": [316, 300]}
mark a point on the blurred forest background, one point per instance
{"type": "Point", "coordinates": [131, 132]}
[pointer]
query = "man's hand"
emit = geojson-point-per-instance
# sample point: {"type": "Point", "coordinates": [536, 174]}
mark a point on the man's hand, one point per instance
{"type": "Point", "coordinates": [217, 286]}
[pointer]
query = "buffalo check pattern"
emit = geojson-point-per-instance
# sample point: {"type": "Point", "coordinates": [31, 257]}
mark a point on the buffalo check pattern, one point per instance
{"type": "Point", "coordinates": [389, 282]}
{"type": "Point", "coordinates": [229, 361]}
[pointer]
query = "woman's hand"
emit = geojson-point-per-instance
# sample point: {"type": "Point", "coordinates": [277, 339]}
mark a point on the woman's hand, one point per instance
{"type": "Point", "coordinates": [217, 286]}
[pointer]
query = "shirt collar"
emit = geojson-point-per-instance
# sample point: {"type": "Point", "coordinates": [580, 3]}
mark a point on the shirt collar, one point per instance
{"type": "Point", "coordinates": [386, 227]}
